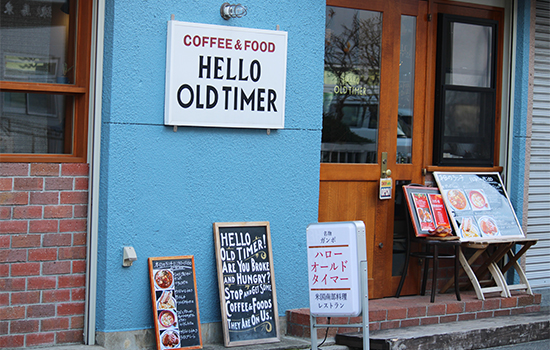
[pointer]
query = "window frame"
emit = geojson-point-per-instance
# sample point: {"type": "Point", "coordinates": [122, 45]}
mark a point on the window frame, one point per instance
{"type": "Point", "coordinates": [77, 118]}
{"type": "Point", "coordinates": [477, 10]}
{"type": "Point", "coordinates": [442, 88]}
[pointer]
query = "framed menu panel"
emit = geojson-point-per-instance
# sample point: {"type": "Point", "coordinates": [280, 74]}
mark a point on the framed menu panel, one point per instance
{"type": "Point", "coordinates": [479, 206]}
{"type": "Point", "coordinates": [427, 209]}
{"type": "Point", "coordinates": [175, 302]}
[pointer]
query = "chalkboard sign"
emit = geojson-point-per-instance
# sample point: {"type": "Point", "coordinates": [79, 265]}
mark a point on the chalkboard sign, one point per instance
{"type": "Point", "coordinates": [175, 302]}
{"type": "Point", "coordinates": [246, 283]}
{"type": "Point", "coordinates": [479, 206]}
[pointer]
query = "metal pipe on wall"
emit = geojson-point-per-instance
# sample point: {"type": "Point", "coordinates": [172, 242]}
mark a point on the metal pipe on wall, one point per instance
{"type": "Point", "coordinates": [94, 148]}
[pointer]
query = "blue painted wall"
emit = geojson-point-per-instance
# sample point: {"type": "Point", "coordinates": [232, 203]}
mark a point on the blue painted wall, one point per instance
{"type": "Point", "coordinates": [521, 108]}
{"type": "Point", "coordinates": [520, 123]}
{"type": "Point", "coordinates": [160, 190]}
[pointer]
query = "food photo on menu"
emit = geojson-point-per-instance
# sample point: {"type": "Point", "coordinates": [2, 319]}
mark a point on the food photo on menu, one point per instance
{"type": "Point", "coordinates": [488, 226]}
{"type": "Point", "coordinates": [167, 319]}
{"type": "Point", "coordinates": [164, 279]}
{"type": "Point", "coordinates": [469, 201]}
{"type": "Point", "coordinates": [425, 218]}
{"type": "Point", "coordinates": [423, 211]}
{"type": "Point", "coordinates": [169, 339]}
{"type": "Point", "coordinates": [468, 228]}
{"type": "Point", "coordinates": [478, 200]}
{"type": "Point", "coordinates": [457, 199]}
{"type": "Point", "coordinates": [166, 300]}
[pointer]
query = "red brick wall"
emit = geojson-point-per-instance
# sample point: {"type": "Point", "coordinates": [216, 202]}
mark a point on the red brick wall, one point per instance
{"type": "Point", "coordinates": [43, 210]}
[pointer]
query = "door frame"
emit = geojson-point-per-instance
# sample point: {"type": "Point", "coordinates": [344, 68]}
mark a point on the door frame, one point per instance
{"type": "Point", "coordinates": [377, 214]}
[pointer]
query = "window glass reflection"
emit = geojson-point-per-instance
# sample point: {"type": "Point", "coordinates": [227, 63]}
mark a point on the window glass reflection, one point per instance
{"type": "Point", "coordinates": [352, 86]}
{"type": "Point", "coordinates": [470, 59]}
{"type": "Point", "coordinates": [35, 123]}
{"type": "Point", "coordinates": [466, 91]}
{"type": "Point", "coordinates": [406, 89]}
{"type": "Point", "coordinates": [36, 41]}
{"type": "Point", "coordinates": [400, 230]}
{"type": "Point", "coordinates": [466, 130]}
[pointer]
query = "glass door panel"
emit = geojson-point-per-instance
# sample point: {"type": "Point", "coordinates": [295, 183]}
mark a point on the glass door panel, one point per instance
{"type": "Point", "coordinates": [352, 86]}
{"type": "Point", "coordinates": [400, 222]}
{"type": "Point", "coordinates": [406, 89]}
{"type": "Point", "coordinates": [407, 54]}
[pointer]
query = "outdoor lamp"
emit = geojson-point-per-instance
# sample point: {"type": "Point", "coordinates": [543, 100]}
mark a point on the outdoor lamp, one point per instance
{"type": "Point", "coordinates": [128, 256]}
{"type": "Point", "coordinates": [228, 10]}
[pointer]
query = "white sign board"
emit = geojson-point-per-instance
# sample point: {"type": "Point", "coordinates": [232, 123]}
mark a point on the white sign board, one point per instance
{"type": "Point", "coordinates": [223, 76]}
{"type": "Point", "coordinates": [334, 281]}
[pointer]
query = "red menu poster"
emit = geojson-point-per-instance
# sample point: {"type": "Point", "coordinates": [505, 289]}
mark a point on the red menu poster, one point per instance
{"type": "Point", "coordinates": [438, 208]}
{"type": "Point", "coordinates": [428, 212]}
{"type": "Point", "coordinates": [423, 211]}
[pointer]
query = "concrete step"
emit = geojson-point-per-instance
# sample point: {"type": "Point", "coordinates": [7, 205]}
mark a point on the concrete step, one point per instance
{"type": "Point", "coordinates": [463, 335]}
{"type": "Point", "coordinates": [409, 311]}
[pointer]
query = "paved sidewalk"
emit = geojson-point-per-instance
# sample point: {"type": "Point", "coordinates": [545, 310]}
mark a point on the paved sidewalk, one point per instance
{"type": "Point", "coordinates": [534, 345]}
{"type": "Point", "coordinates": [483, 333]}
{"type": "Point", "coordinates": [530, 331]}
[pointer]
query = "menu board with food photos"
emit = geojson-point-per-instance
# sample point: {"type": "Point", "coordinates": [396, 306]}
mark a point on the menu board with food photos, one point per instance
{"type": "Point", "coordinates": [427, 211]}
{"type": "Point", "coordinates": [479, 206]}
{"type": "Point", "coordinates": [175, 302]}
{"type": "Point", "coordinates": [246, 282]}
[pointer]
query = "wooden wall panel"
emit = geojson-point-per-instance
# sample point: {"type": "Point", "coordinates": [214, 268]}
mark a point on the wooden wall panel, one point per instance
{"type": "Point", "coordinates": [350, 201]}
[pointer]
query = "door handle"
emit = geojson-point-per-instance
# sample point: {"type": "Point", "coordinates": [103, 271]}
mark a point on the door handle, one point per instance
{"type": "Point", "coordinates": [386, 186]}
{"type": "Point", "coordinates": [385, 173]}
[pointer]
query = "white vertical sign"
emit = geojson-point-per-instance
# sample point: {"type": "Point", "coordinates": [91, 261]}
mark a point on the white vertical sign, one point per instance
{"type": "Point", "coordinates": [224, 76]}
{"type": "Point", "coordinates": [334, 283]}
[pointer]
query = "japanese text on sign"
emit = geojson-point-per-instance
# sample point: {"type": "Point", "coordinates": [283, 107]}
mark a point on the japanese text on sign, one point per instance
{"type": "Point", "coordinates": [333, 269]}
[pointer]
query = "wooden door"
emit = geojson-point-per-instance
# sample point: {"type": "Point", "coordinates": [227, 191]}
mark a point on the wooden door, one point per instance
{"type": "Point", "coordinates": [374, 105]}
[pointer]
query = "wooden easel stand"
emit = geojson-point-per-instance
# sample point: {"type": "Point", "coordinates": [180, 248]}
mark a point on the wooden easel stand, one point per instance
{"type": "Point", "coordinates": [490, 262]}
